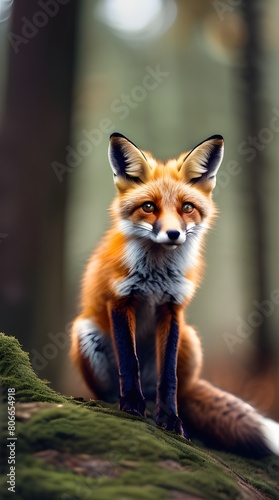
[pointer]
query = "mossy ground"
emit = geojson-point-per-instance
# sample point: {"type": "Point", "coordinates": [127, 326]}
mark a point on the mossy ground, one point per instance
{"type": "Point", "coordinates": [143, 462]}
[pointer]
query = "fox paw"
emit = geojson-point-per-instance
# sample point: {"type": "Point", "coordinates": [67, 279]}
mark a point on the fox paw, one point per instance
{"type": "Point", "coordinates": [133, 403]}
{"type": "Point", "coordinates": [170, 423]}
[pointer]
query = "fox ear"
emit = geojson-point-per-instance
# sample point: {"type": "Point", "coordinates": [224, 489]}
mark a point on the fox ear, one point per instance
{"type": "Point", "coordinates": [127, 162]}
{"type": "Point", "coordinates": [202, 163]}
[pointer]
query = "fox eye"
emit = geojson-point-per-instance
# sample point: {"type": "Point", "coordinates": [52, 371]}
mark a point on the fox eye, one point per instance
{"type": "Point", "coordinates": [148, 207]}
{"type": "Point", "coordinates": [187, 207]}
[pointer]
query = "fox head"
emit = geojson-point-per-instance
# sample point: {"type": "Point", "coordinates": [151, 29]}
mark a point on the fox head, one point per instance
{"type": "Point", "coordinates": [164, 202]}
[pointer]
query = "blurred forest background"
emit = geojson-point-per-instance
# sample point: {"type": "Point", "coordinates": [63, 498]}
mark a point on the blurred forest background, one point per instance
{"type": "Point", "coordinates": [72, 73]}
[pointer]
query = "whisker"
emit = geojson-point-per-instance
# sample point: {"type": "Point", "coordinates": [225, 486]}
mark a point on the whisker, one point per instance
{"type": "Point", "coordinates": [143, 226]}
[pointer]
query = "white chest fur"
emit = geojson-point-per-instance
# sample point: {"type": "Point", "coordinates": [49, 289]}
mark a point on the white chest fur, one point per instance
{"type": "Point", "coordinates": [158, 274]}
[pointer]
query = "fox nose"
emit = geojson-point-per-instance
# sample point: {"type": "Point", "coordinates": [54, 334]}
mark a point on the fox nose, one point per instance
{"type": "Point", "coordinates": [173, 234]}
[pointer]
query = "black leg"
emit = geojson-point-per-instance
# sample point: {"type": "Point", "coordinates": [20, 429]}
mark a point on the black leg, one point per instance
{"type": "Point", "coordinates": [123, 325]}
{"type": "Point", "coordinates": [167, 343]}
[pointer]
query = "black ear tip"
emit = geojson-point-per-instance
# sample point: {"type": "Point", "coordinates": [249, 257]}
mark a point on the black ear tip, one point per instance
{"type": "Point", "coordinates": [216, 136]}
{"type": "Point", "coordinates": [117, 134]}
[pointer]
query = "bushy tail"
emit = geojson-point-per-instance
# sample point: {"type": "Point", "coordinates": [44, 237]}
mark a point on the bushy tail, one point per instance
{"type": "Point", "coordinates": [223, 420]}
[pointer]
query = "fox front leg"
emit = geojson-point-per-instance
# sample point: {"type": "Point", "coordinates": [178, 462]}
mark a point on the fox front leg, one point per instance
{"type": "Point", "coordinates": [166, 349]}
{"type": "Point", "coordinates": [123, 329]}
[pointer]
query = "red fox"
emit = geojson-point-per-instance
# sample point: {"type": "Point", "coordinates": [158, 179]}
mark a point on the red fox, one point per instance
{"type": "Point", "coordinates": [131, 337]}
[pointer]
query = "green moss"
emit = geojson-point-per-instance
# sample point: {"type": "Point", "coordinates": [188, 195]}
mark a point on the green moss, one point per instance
{"type": "Point", "coordinates": [80, 430]}
{"type": "Point", "coordinates": [262, 474]}
{"type": "Point", "coordinates": [151, 464]}
{"type": "Point", "coordinates": [146, 481]}
{"type": "Point", "coordinates": [99, 432]}
{"type": "Point", "coordinates": [16, 371]}
{"type": "Point", "coordinates": [36, 482]}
